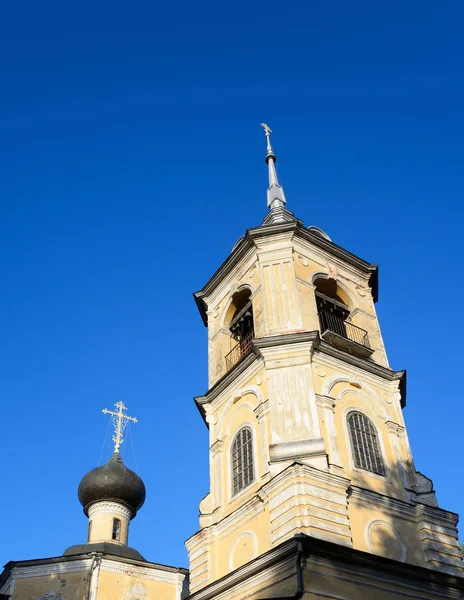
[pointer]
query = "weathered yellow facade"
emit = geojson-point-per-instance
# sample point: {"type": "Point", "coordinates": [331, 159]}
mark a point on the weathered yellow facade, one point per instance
{"type": "Point", "coordinates": [294, 390]}
{"type": "Point", "coordinates": [100, 578]}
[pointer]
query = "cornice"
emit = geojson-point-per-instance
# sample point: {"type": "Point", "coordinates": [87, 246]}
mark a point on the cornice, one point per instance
{"type": "Point", "coordinates": [298, 230]}
{"type": "Point", "coordinates": [285, 339]}
{"type": "Point", "coordinates": [152, 573]}
{"type": "Point", "coordinates": [435, 513]}
{"type": "Point", "coordinates": [330, 480]}
{"type": "Point", "coordinates": [392, 506]}
{"type": "Point", "coordinates": [228, 379]}
{"type": "Point", "coordinates": [55, 568]}
{"type": "Point", "coordinates": [365, 365]}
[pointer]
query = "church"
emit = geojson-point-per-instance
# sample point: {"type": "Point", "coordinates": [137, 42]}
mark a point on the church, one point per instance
{"type": "Point", "coordinates": [313, 489]}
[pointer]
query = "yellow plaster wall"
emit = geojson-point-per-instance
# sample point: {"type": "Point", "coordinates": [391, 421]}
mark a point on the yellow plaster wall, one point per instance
{"type": "Point", "coordinates": [102, 528]}
{"type": "Point", "coordinates": [126, 586]}
{"type": "Point", "coordinates": [70, 585]}
{"type": "Point", "coordinates": [240, 414]}
{"type": "Point", "coordinates": [380, 532]}
{"type": "Point", "coordinates": [241, 544]}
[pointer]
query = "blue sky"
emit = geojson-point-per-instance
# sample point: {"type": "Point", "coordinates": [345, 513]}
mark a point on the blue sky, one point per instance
{"type": "Point", "coordinates": [132, 160]}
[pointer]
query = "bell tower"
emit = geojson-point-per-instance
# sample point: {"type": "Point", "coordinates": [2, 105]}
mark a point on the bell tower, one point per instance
{"type": "Point", "coordinates": [304, 412]}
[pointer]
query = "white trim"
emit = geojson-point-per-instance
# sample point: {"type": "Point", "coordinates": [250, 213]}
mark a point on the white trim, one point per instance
{"type": "Point", "coordinates": [249, 535]}
{"type": "Point", "coordinates": [151, 573]}
{"type": "Point", "coordinates": [367, 534]}
{"type": "Point", "coordinates": [112, 508]}
{"type": "Point", "coordinates": [333, 380]}
{"type": "Point", "coordinates": [56, 568]}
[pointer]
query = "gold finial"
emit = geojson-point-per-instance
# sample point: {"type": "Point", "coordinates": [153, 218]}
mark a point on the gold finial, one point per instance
{"type": "Point", "coordinates": [120, 421]}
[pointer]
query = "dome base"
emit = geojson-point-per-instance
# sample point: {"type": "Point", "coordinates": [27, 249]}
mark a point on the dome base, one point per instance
{"type": "Point", "coordinates": [105, 548]}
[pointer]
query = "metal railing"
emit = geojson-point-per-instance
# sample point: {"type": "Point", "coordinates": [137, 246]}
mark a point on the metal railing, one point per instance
{"type": "Point", "coordinates": [334, 323]}
{"type": "Point", "coordinates": [241, 349]}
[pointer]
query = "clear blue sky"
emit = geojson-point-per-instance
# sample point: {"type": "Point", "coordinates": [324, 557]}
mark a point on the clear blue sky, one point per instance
{"type": "Point", "coordinates": [132, 160]}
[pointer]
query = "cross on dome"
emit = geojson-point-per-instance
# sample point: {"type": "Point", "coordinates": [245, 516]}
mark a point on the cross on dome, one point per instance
{"type": "Point", "coordinates": [120, 420]}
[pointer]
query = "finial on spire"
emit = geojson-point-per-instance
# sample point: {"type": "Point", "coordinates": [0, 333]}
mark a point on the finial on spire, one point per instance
{"type": "Point", "coordinates": [267, 133]}
{"type": "Point", "coordinates": [275, 193]}
{"type": "Point", "coordinates": [120, 420]}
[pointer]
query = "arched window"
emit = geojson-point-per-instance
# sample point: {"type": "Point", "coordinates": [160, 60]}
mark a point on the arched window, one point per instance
{"type": "Point", "coordinates": [242, 460]}
{"type": "Point", "coordinates": [116, 530]}
{"type": "Point", "coordinates": [335, 320]}
{"type": "Point", "coordinates": [89, 532]}
{"type": "Point", "coordinates": [241, 327]}
{"type": "Point", "coordinates": [366, 450]}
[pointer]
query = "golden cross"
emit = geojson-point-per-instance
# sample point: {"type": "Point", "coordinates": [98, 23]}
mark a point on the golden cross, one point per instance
{"type": "Point", "coordinates": [120, 421]}
{"type": "Point", "coordinates": [267, 129]}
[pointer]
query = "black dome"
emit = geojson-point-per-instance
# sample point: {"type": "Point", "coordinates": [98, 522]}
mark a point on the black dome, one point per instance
{"type": "Point", "coordinates": [112, 481]}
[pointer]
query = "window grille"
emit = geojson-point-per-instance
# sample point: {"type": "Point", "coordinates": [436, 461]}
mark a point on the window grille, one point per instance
{"type": "Point", "coordinates": [116, 530]}
{"type": "Point", "coordinates": [242, 460]}
{"type": "Point", "coordinates": [365, 444]}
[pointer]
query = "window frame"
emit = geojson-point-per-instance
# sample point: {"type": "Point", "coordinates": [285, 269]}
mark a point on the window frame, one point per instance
{"type": "Point", "coordinates": [116, 530]}
{"type": "Point", "coordinates": [384, 475]}
{"type": "Point", "coordinates": [234, 494]}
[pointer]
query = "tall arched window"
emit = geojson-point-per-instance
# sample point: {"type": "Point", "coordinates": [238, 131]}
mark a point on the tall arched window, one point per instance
{"type": "Point", "coordinates": [366, 450]}
{"type": "Point", "coordinates": [242, 460]}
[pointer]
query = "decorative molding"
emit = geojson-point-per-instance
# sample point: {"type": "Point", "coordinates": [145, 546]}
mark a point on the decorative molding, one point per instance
{"type": "Point", "coordinates": [319, 371]}
{"type": "Point", "coordinates": [399, 539]}
{"type": "Point", "coordinates": [52, 595]}
{"type": "Point", "coordinates": [55, 568]}
{"type": "Point", "coordinates": [394, 428]}
{"type": "Point", "coordinates": [216, 448]}
{"type": "Point", "coordinates": [245, 534]}
{"type": "Point", "coordinates": [151, 573]}
{"type": "Point", "coordinates": [298, 449]}
{"type": "Point", "coordinates": [389, 505]}
{"type": "Point", "coordinates": [262, 409]}
{"type": "Point", "coordinates": [326, 402]}
{"type": "Point", "coordinates": [112, 508]}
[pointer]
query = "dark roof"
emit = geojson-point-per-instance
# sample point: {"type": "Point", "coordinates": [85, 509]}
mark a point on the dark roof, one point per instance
{"type": "Point", "coordinates": [112, 481]}
{"type": "Point", "coordinates": [104, 548]}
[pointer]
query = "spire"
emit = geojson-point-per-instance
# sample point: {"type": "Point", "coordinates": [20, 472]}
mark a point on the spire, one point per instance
{"type": "Point", "coordinates": [275, 193]}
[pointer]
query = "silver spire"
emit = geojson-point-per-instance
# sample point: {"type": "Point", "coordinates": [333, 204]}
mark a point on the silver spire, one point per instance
{"type": "Point", "coordinates": [275, 193]}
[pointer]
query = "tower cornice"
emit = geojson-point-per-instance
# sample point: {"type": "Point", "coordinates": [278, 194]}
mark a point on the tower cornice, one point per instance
{"type": "Point", "coordinates": [298, 229]}
{"type": "Point", "coordinates": [318, 345]}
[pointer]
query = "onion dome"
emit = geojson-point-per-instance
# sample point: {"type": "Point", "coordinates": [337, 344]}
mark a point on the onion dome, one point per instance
{"type": "Point", "coordinates": [115, 482]}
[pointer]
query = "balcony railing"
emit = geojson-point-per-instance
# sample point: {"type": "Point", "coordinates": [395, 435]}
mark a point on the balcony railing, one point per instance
{"type": "Point", "coordinates": [241, 349]}
{"type": "Point", "coordinates": [339, 333]}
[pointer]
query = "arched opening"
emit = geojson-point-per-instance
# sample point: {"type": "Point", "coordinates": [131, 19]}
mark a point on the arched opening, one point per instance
{"type": "Point", "coordinates": [334, 318]}
{"type": "Point", "coordinates": [116, 530]}
{"type": "Point", "coordinates": [241, 326]}
{"type": "Point", "coordinates": [242, 460]}
{"type": "Point", "coordinates": [332, 311]}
